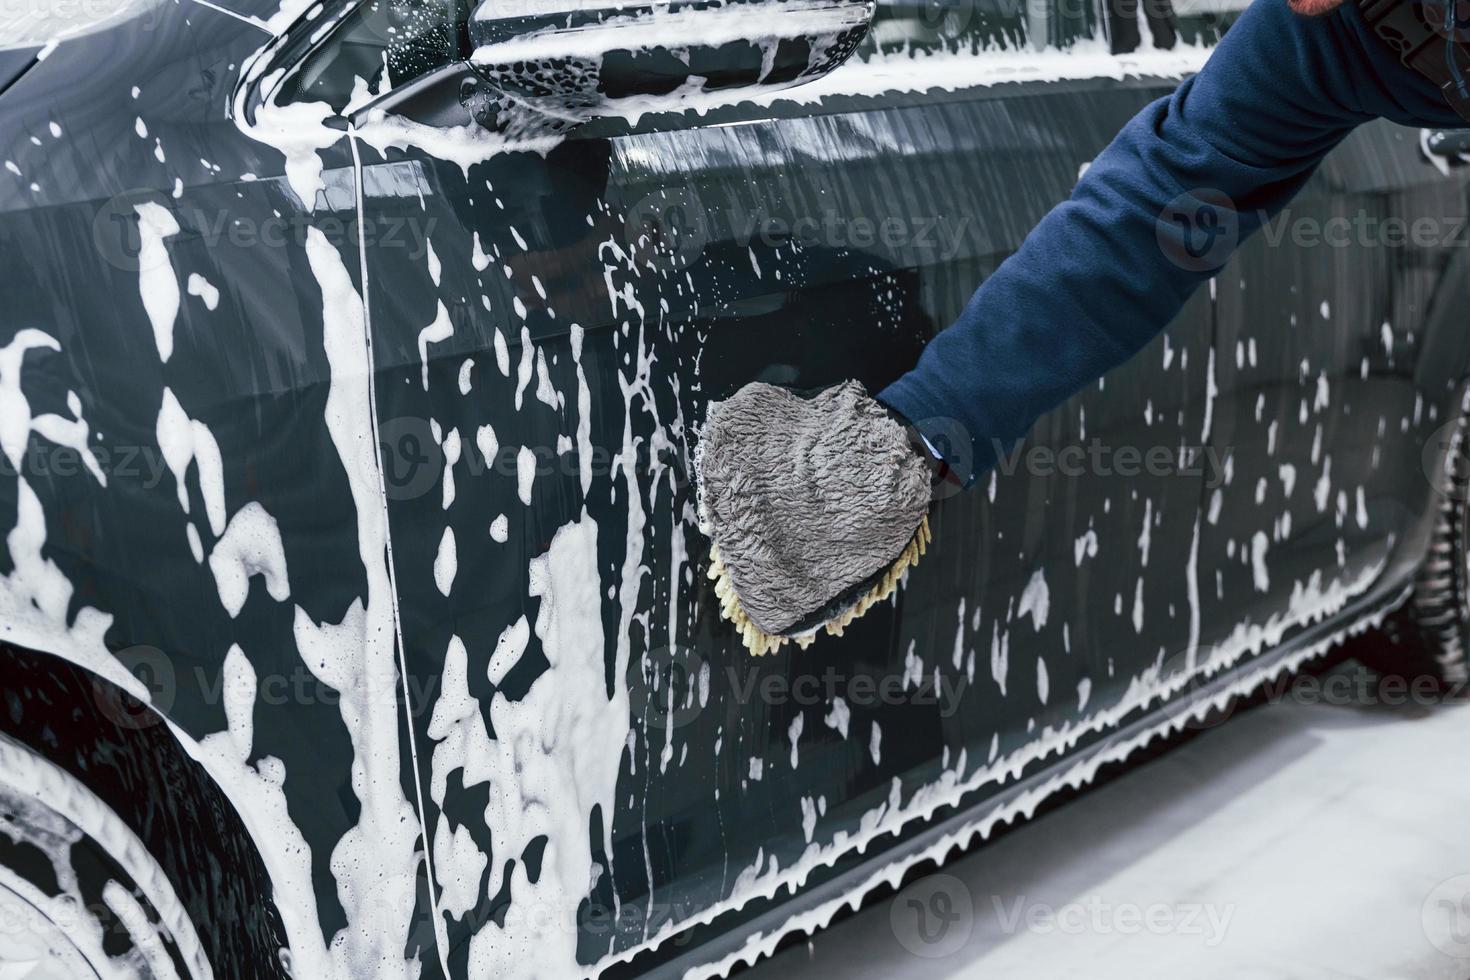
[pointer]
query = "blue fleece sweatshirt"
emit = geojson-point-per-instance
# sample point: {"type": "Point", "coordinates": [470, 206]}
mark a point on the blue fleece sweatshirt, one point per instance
{"type": "Point", "coordinates": [1157, 214]}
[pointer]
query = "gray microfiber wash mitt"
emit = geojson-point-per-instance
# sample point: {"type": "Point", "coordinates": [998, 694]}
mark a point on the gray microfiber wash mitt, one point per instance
{"type": "Point", "coordinates": [814, 507]}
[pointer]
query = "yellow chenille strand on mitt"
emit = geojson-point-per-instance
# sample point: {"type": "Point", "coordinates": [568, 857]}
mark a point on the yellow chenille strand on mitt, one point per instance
{"type": "Point", "coordinates": [761, 643]}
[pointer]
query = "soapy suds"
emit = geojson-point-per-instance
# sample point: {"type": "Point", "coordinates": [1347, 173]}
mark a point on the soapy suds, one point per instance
{"type": "Point", "coordinates": [523, 371]}
{"type": "Point", "coordinates": [157, 283]}
{"type": "Point", "coordinates": [446, 563]}
{"type": "Point", "coordinates": [1036, 600]}
{"type": "Point", "coordinates": [250, 545]}
{"type": "Point", "coordinates": [1077, 775]}
{"type": "Point", "coordinates": [438, 331]}
{"type": "Point", "coordinates": [205, 290]}
{"type": "Point", "coordinates": [488, 445]}
{"type": "Point", "coordinates": [1000, 656]}
{"type": "Point", "coordinates": [375, 863]}
{"type": "Point", "coordinates": [584, 412]}
{"type": "Point", "coordinates": [525, 474]}
{"type": "Point", "coordinates": [793, 735]}
{"type": "Point", "coordinates": [502, 354]}
{"type": "Point", "coordinates": [555, 758]}
{"type": "Point", "coordinates": [183, 441]}
{"type": "Point", "coordinates": [36, 597]}
{"type": "Point", "coordinates": [463, 745]}
{"type": "Point", "coordinates": [508, 649]}
{"type": "Point", "coordinates": [62, 809]}
{"type": "Point", "coordinates": [1310, 602]}
{"type": "Point", "coordinates": [838, 716]}
{"type": "Point", "coordinates": [145, 936]}
{"type": "Point", "coordinates": [73, 433]}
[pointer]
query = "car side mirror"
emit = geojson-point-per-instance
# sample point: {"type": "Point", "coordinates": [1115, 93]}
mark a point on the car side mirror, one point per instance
{"type": "Point", "coordinates": [531, 69]}
{"type": "Point", "coordinates": [557, 70]}
{"type": "Point", "coordinates": [535, 74]}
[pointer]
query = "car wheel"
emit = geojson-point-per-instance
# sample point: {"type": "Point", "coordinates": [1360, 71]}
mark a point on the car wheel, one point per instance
{"type": "Point", "coordinates": [1430, 636]}
{"type": "Point", "coordinates": [80, 895]}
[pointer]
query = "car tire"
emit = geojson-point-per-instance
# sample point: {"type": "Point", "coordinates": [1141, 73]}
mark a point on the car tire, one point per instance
{"type": "Point", "coordinates": [80, 895]}
{"type": "Point", "coordinates": [1429, 637]}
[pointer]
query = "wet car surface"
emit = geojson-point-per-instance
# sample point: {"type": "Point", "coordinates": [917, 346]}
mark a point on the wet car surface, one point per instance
{"type": "Point", "coordinates": [359, 447]}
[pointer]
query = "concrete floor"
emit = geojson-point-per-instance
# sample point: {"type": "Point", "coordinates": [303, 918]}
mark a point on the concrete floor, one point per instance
{"type": "Point", "coordinates": [1298, 841]}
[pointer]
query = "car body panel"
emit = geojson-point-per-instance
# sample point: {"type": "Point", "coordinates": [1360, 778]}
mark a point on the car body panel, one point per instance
{"type": "Point", "coordinates": [1321, 373]}
{"type": "Point", "coordinates": [662, 330]}
{"type": "Point", "coordinates": [247, 368]}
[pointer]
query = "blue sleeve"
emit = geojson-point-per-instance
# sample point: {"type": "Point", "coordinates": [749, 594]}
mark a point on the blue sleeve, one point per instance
{"type": "Point", "coordinates": [1155, 215]}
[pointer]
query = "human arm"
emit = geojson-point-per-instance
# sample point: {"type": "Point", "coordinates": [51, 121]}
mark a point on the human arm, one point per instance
{"type": "Point", "coordinates": [1105, 271]}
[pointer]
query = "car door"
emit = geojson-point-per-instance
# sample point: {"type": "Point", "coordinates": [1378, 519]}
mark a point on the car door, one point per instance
{"type": "Point", "coordinates": [1339, 358]}
{"type": "Point", "coordinates": [601, 763]}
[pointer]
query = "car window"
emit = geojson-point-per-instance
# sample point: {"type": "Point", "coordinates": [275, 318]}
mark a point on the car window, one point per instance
{"type": "Point", "coordinates": [378, 45]}
{"type": "Point", "coordinates": [949, 25]}
{"type": "Point", "coordinates": [927, 26]}
{"type": "Point", "coordinates": [1133, 25]}
{"type": "Point", "coordinates": [381, 44]}
{"type": "Point", "coordinates": [1204, 21]}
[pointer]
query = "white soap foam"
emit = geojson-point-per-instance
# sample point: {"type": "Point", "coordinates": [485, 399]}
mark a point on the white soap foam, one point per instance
{"type": "Point", "coordinates": [251, 545]}
{"type": "Point", "coordinates": [556, 757]}
{"type": "Point", "coordinates": [157, 283]}
{"type": "Point", "coordinates": [204, 289]}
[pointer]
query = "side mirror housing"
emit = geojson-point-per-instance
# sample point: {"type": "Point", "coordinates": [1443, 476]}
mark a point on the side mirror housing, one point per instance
{"type": "Point", "coordinates": [533, 69]}
{"type": "Point", "coordinates": [588, 61]}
